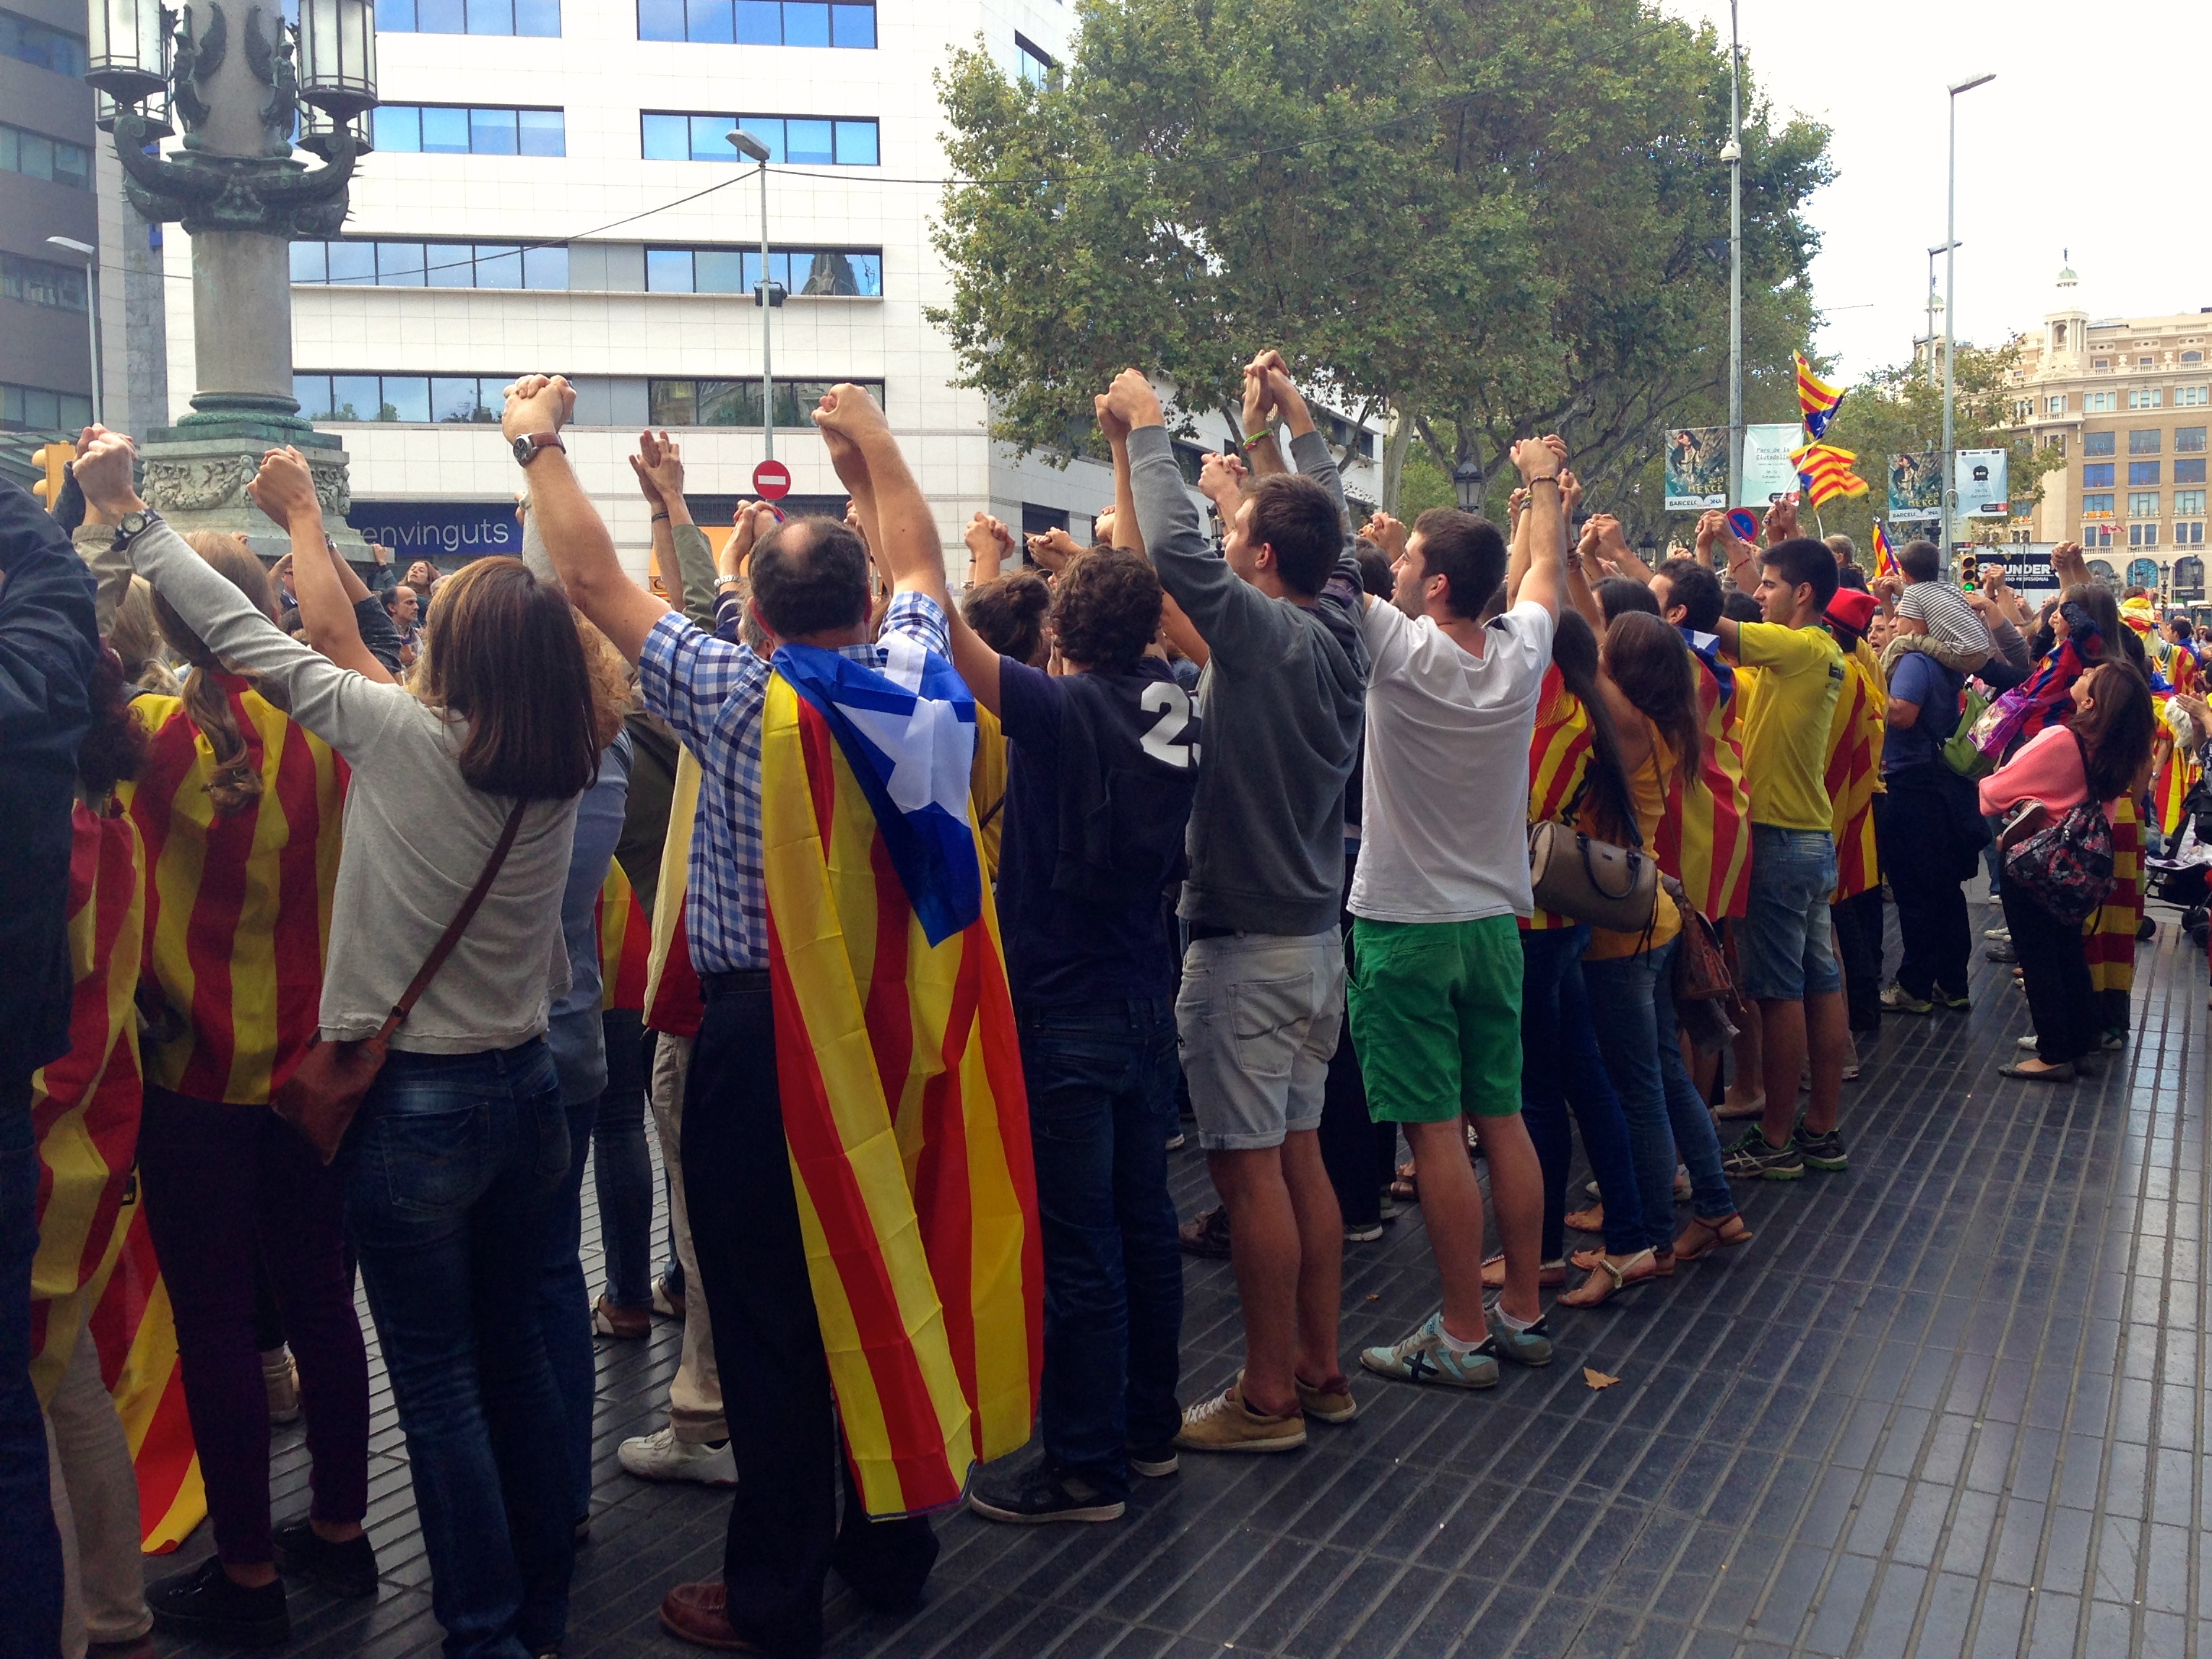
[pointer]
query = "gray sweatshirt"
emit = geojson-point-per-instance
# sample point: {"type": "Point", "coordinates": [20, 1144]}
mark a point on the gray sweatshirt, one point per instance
{"type": "Point", "coordinates": [1281, 699]}
{"type": "Point", "coordinates": [417, 837]}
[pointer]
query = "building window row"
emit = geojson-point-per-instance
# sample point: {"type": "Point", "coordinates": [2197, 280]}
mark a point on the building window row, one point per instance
{"type": "Point", "coordinates": [853, 272]}
{"type": "Point", "coordinates": [34, 409]}
{"type": "Point", "coordinates": [737, 401]}
{"type": "Point", "coordinates": [362, 264]}
{"type": "Point", "coordinates": [532, 17]}
{"type": "Point", "coordinates": [2189, 535]}
{"type": "Point", "coordinates": [40, 283]}
{"type": "Point", "coordinates": [422, 399]}
{"type": "Point", "coordinates": [2099, 402]}
{"type": "Point", "coordinates": [30, 41]}
{"type": "Point", "coordinates": [37, 156]}
{"type": "Point", "coordinates": [461, 130]}
{"type": "Point", "coordinates": [759, 22]}
{"type": "Point", "coordinates": [825, 141]}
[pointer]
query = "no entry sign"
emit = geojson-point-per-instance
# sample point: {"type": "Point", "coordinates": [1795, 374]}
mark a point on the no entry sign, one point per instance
{"type": "Point", "coordinates": [772, 481]}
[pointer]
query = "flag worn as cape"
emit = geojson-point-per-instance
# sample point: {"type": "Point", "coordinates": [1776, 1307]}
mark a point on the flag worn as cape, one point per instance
{"type": "Point", "coordinates": [1705, 840]}
{"type": "Point", "coordinates": [2108, 933]}
{"type": "Point", "coordinates": [1559, 749]}
{"type": "Point", "coordinates": [625, 943]}
{"type": "Point", "coordinates": [900, 1070]}
{"type": "Point", "coordinates": [1854, 774]}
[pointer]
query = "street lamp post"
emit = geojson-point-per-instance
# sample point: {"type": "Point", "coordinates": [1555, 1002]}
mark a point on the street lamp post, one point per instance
{"type": "Point", "coordinates": [1466, 485]}
{"type": "Point", "coordinates": [1951, 315]}
{"type": "Point", "coordinates": [1732, 153]}
{"type": "Point", "coordinates": [91, 258]}
{"type": "Point", "coordinates": [765, 297]}
{"type": "Point", "coordinates": [1935, 303]}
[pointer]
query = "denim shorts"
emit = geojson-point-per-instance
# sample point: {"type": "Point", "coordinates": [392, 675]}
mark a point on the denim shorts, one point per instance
{"type": "Point", "coordinates": [1256, 1019]}
{"type": "Point", "coordinates": [1785, 950]}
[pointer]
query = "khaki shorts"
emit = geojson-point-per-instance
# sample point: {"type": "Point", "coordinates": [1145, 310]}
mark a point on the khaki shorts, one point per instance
{"type": "Point", "coordinates": [1256, 1020]}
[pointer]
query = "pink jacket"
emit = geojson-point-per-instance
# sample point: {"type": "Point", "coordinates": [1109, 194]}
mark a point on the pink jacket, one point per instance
{"type": "Point", "coordinates": [2047, 768]}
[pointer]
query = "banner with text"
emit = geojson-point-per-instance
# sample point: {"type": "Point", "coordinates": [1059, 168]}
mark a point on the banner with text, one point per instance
{"type": "Point", "coordinates": [1769, 474]}
{"type": "Point", "coordinates": [1696, 469]}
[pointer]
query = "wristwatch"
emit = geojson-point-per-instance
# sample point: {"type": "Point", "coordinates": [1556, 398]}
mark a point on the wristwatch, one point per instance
{"type": "Point", "coordinates": [131, 525]}
{"type": "Point", "coordinates": [527, 448]}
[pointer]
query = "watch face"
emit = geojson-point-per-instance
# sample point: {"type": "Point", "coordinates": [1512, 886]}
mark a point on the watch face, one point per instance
{"type": "Point", "coordinates": [524, 449]}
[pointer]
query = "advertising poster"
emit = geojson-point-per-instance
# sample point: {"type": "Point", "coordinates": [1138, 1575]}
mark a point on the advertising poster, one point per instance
{"type": "Point", "coordinates": [1697, 468]}
{"type": "Point", "coordinates": [1982, 484]}
{"type": "Point", "coordinates": [1916, 486]}
{"type": "Point", "coordinates": [1769, 474]}
{"type": "Point", "coordinates": [2027, 565]}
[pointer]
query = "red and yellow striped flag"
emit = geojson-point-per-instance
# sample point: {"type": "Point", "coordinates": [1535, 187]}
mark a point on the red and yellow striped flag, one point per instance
{"type": "Point", "coordinates": [1559, 762]}
{"type": "Point", "coordinates": [625, 943]}
{"type": "Point", "coordinates": [1854, 731]}
{"type": "Point", "coordinates": [673, 1002]}
{"type": "Point", "coordinates": [2108, 934]}
{"type": "Point", "coordinates": [1705, 840]}
{"type": "Point", "coordinates": [907, 1126]}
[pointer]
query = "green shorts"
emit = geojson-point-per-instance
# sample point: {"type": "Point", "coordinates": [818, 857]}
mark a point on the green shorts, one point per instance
{"type": "Point", "coordinates": [1436, 1016]}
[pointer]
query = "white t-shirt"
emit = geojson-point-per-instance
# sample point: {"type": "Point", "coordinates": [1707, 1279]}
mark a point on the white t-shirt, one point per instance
{"type": "Point", "coordinates": [1445, 832]}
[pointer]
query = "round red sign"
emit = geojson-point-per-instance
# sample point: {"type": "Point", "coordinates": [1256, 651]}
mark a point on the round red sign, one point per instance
{"type": "Point", "coordinates": [772, 480]}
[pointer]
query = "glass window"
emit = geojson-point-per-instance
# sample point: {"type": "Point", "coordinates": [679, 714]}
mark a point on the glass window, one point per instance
{"type": "Point", "coordinates": [2098, 403]}
{"type": "Point", "coordinates": [710, 138]}
{"type": "Point", "coordinates": [442, 17]}
{"type": "Point", "coordinates": [542, 131]}
{"type": "Point", "coordinates": [856, 143]}
{"type": "Point", "coordinates": [806, 22]}
{"type": "Point", "coordinates": [2189, 535]}
{"type": "Point", "coordinates": [398, 128]}
{"type": "Point", "coordinates": [2146, 440]}
{"type": "Point", "coordinates": [2188, 503]}
{"type": "Point", "coordinates": [455, 399]}
{"type": "Point", "coordinates": [661, 20]}
{"type": "Point", "coordinates": [808, 141]}
{"type": "Point", "coordinates": [2055, 405]}
{"type": "Point", "coordinates": [1033, 63]}
{"type": "Point", "coordinates": [722, 271]}
{"type": "Point", "coordinates": [545, 267]}
{"type": "Point", "coordinates": [399, 264]}
{"type": "Point", "coordinates": [491, 132]}
{"type": "Point", "coordinates": [810, 272]}
{"type": "Point", "coordinates": [2192, 356]}
{"type": "Point", "coordinates": [490, 17]}
{"type": "Point", "coordinates": [2142, 472]}
{"type": "Point", "coordinates": [406, 398]}
{"type": "Point", "coordinates": [446, 132]}
{"type": "Point", "coordinates": [2097, 475]}
{"type": "Point", "coordinates": [708, 22]}
{"type": "Point", "coordinates": [760, 22]}
{"type": "Point", "coordinates": [2145, 397]}
{"type": "Point", "coordinates": [2097, 504]}
{"type": "Point", "coordinates": [2097, 443]}
{"type": "Point", "coordinates": [853, 26]}
{"type": "Point", "coordinates": [813, 140]}
{"type": "Point", "coordinates": [308, 263]}
{"type": "Point", "coordinates": [53, 160]}
{"type": "Point", "coordinates": [313, 394]}
{"type": "Point", "coordinates": [34, 42]}
{"type": "Point", "coordinates": [736, 403]}
{"type": "Point", "coordinates": [2143, 505]}
{"type": "Point", "coordinates": [355, 398]}
{"type": "Point", "coordinates": [2189, 440]}
{"type": "Point", "coordinates": [2188, 472]}
{"type": "Point", "coordinates": [2191, 397]}
{"type": "Point", "coordinates": [352, 263]}
{"type": "Point", "coordinates": [668, 270]}
{"type": "Point", "coordinates": [498, 266]}
{"type": "Point", "coordinates": [537, 17]}
{"type": "Point", "coordinates": [666, 138]}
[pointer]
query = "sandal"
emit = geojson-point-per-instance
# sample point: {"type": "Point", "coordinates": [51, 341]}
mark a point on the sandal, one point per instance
{"type": "Point", "coordinates": [1623, 1276]}
{"type": "Point", "coordinates": [1591, 1220]}
{"type": "Point", "coordinates": [1549, 1275]}
{"type": "Point", "coordinates": [1702, 1238]}
{"type": "Point", "coordinates": [1663, 1261]}
{"type": "Point", "coordinates": [1406, 1184]}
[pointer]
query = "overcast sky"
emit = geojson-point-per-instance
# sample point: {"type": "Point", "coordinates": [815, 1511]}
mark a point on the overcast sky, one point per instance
{"type": "Point", "coordinates": [2092, 138]}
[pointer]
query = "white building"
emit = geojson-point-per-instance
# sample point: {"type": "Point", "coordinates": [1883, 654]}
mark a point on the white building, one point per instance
{"type": "Point", "coordinates": [515, 122]}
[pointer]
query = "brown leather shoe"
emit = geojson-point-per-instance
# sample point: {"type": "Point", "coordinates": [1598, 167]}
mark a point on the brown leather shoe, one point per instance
{"type": "Point", "coordinates": [628, 1323]}
{"type": "Point", "coordinates": [694, 1613]}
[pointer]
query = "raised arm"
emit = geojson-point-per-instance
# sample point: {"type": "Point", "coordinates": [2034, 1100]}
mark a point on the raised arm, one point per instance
{"type": "Point", "coordinates": [1516, 544]}
{"type": "Point", "coordinates": [680, 548]}
{"type": "Point", "coordinates": [327, 588]}
{"type": "Point", "coordinates": [1262, 449]}
{"type": "Point", "coordinates": [1127, 534]}
{"type": "Point", "coordinates": [1578, 588]}
{"type": "Point", "coordinates": [1540, 461]}
{"type": "Point", "coordinates": [903, 536]}
{"type": "Point", "coordinates": [989, 541]}
{"type": "Point", "coordinates": [1613, 543]}
{"type": "Point", "coordinates": [575, 537]}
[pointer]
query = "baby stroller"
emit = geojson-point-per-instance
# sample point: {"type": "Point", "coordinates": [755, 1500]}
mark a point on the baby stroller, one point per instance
{"type": "Point", "coordinates": [2184, 879]}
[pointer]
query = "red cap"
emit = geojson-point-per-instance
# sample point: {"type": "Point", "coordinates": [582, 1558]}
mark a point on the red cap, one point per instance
{"type": "Point", "coordinates": [1853, 608]}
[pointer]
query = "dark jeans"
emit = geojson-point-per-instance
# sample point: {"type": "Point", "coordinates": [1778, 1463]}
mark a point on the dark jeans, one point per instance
{"type": "Point", "coordinates": [785, 1532]}
{"type": "Point", "coordinates": [1921, 855]}
{"type": "Point", "coordinates": [449, 1176]}
{"type": "Point", "coordinates": [564, 1309]}
{"type": "Point", "coordinates": [2060, 1000]}
{"type": "Point", "coordinates": [232, 1191]}
{"type": "Point", "coordinates": [1357, 1152]}
{"type": "Point", "coordinates": [1857, 923]}
{"type": "Point", "coordinates": [1102, 1101]}
{"type": "Point", "coordinates": [30, 1548]}
{"type": "Point", "coordinates": [1561, 1065]}
{"type": "Point", "coordinates": [622, 1169]}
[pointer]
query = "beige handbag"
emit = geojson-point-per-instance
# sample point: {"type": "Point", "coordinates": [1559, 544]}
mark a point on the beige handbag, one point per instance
{"type": "Point", "coordinates": [1591, 880]}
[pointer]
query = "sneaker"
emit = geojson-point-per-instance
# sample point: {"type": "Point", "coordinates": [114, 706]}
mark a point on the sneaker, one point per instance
{"type": "Point", "coordinates": [662, 1457]}
{"type": "Point", "coordinates": [280, 1376]}
{"type": "Point", "coordinates": [1425, 1357]}
{"type": "Point", "coordinates": [1364, 1233]}
{"type": "Point", "coordinates": [1330, 1400]}
{"type": "Point", "coordinates": [1997, 935]}
{"type": "Point", "coordinates": [1898, 1001]}
{"type": "Point", "coordinates": [629, 1324]}
{"type": "Point", "coordinates": [1226, 1424]}
{"type": "Point", "coordinates": [1154, 1463]}
{"type": "Point", "coordinates": [2001, 953]}
{"type": "Point", "coordinates": [1532, 1346]}
{"type": "Point", "coordinates": [1206, 1233]}
{"type": "Point", "coordinates": [1822, 1151]}
{"type": "Point", "coordinates": [1951, 1002]}
{"type": "Point", "coordinates": [1174, 1141]}
{"type": "Point", "coordinates": [667, 1301]}
{"type": "Point", "coordinates": [206, 1604]}
{"type": "Point", "coordinates": [1035, 1495]}
{"type": "Point", "coordinates": [347, 1568]}
{"type": "Point", "coordinates": [2113, 1042]}
{"type": "Point", "coordinates": [1751, 1155]}
{"type": "Point", "coordinates": [1386, 1206]}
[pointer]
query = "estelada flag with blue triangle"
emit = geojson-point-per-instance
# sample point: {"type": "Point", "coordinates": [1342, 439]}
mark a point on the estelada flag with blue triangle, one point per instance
{"type": "Point", "coordinates": [1825, 472]}
{"type": "Point", "coordinates": [1884, 555]}
{"type": "Point", "coordinates": [1816, 398]}
{"type": "Point", "coordinates": [899, 1070]}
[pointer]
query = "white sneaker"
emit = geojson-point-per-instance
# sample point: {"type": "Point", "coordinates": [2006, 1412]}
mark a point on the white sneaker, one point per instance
{"type": "Point", "coordinates": [662, 1457]}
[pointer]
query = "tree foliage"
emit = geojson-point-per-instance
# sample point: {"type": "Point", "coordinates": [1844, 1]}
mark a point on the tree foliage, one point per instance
{"type": "Point", "coordinates": [1491, 219]}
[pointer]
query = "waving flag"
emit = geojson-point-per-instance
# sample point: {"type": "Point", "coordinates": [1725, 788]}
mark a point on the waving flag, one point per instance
{"type": "Point", "coordinates": [1825, 472]}
{"type": "Point", "coordinates": [900, 1070]}
{"type": "Point", "coordinates": [1816, 399]}
{"type": "Point", "coordinates": [1884, 555]}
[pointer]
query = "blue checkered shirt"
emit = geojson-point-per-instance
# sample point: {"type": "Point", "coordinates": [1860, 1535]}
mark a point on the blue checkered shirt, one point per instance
{"type": "Point", "coordinates": [711, 692]}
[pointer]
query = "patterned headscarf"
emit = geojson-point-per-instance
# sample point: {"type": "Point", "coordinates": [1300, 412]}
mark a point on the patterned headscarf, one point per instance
{"type": "Point", "coordinates": [2043, 699]}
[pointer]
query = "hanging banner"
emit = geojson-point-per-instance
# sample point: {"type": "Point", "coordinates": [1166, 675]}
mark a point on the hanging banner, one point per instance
{"type": "Point", "coordinates": [1982, 484]}
{"type": "Point", "coordinates": [1696, 469]}
{"type": "Point", "coordinates": [1769, 474]}
{"type": "Point", "coordinates": [1915, 487]}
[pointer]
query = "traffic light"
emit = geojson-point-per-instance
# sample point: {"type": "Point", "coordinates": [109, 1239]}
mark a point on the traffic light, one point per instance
{"type": "Point", "coordinates": [53, 461]}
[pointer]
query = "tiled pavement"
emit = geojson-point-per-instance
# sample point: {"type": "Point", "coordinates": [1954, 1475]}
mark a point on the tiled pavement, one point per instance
{"type": "Point", "coordinates": [1949, 1403]}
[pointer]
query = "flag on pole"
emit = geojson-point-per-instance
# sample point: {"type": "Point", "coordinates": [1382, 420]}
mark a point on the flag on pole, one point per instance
{"type": "Point", "coordinates": [1825, 472]}
{"type": "Point", "coordinates": [899, 1071]}
{"type": "Point", "coordinates": [1884, 555]}
{"type": "Point", "coordinates": [1816, 399]}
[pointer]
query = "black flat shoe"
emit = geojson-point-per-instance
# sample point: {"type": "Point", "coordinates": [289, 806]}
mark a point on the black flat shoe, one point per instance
{"type": "Point", "coordinates": [206, 1603]}
{"type": "Point", "coordinates": [347, 1568]}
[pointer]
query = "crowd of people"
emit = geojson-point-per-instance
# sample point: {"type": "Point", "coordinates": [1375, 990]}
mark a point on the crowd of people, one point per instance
{"type": "Point", "coordinates": [350, 919]}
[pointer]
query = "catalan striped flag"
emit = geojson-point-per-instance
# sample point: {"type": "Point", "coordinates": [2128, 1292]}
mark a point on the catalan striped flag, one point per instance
{"type": "Point", "coordinates": [900, 1072]}
{"type": "Point", "coordinates": [625, 943]}
{"type": "Point", "coordinates": [1559, 765]}
{"type": "Point", "coordinates": [1825, 472]}
{"type": "Point", "coordinates": [1704, 839]}
{"type": "Point", "coordinates": [1817, 400]}
{"type": "Point", "coordinates": [237, 907]}
{"type": "Point", "coordinates": [2108, 934]}
{"type": "Point", "coordinates": [1853, 773]}
{"type": "Point", "coordinates": [1884, 555]}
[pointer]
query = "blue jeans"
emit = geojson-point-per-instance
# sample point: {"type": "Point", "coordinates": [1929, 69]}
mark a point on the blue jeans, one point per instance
{"type": "Point", "coordinates": [622, 1170]}
{"type": "Point", "coordinates": [1641, 1038]}
{"type": "Point", "coordinates": [450, 1175]}
{"type": "Point", "coordinates": [30, 1548]}
{"type": "Point", "coordinates": [564, 1308]}
{"type": "Point", "coordinates": [1102, 1107]}
{"type": "Point", "coordinates": [1785, 945]}
{"type": "Point", "coordinates": [1560, 1066]}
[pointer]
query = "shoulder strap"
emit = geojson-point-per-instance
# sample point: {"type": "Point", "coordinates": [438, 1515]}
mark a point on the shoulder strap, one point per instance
{"type": "Point", "coordinates": [458, 925]}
